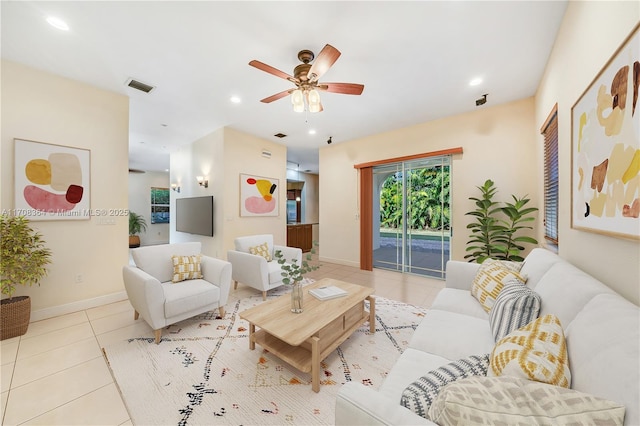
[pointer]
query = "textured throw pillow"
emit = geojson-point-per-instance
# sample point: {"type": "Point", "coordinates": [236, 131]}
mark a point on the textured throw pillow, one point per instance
{"type": "Point", "coordinates": [418, 396]}
{"type": "Point", "coordinates": [186, 268]}
{"type": "Point", "coordinates": [516, 306]}
{"type": "Point", "coordinates": [490, 279]}
{"type": "Point", "coordinates": [261, 250]}
{"type": "Point", "coordinates": [536, 351]}
{"type": "Point", "coordinates": [515, 401]}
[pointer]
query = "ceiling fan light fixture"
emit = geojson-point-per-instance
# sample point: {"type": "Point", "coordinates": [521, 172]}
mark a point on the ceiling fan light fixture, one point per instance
{"type": "Point", "coordinates": [314, 101]}
{"type": "Point", "coordinates": [297, 99]}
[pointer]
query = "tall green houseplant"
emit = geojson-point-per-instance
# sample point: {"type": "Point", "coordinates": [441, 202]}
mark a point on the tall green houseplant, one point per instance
{"type": "Point", "coordinates": [494, 234]}
{"type": "Point", "coordinates": [137, 224]}
{"type": "Point", "coordinates": [23, 260]}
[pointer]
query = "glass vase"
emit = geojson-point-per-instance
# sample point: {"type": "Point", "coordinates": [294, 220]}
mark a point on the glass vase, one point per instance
{"type": "Point", "coordinates": [296, 297]}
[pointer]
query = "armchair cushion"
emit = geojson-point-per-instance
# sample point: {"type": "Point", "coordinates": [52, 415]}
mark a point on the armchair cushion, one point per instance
{"type": "Point", "coordinates": [156, 260]}
{"type": "Point", "coordinates": [186, 268]}
{"type": "Point", "coordinates": [187, 297]}
{"type": "Point", "coordinates": [261, 250]}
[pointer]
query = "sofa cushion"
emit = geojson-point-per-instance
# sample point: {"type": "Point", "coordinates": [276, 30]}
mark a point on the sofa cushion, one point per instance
{"type": "Point", "coordinates": [516, 401]}
{"type": "Point", "coordinates": [452, 335]}
{"type": "Point", "coordinates": [490, 279]}
{"type": "Point", "coordinates": [516, 306]}
{"type": "Point", "coordinates": [156, 260]}
{"type": "Point", "coordinates": [537, 351]}
{"type": "Point", "coordinates": [261, 250]}
{"type": "Point", "coordinates": [418, 396]}
{"type": "Point", "coordinates": [186, 268]}
{"type": "Point", "coordinates": [460, 301]}
{"type": "Point", "coordinates": [537, 264]}
{"type": "Point", "coordinates": [189, 296]}
{"type": "Point", "coordinates": [604, 348]}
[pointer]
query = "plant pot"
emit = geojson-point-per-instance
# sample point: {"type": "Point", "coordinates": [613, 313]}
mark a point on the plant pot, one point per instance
{"type": "Point", "coordinates": [134, 241]}
{"type": "Point", "coordinates": [296, 297]}
{"type": "Point", "coordinates": [15, 314]}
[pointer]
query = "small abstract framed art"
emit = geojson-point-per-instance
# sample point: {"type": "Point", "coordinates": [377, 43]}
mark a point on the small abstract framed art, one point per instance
{"type": "Point", "coordinates": [258, 196]}
{"type": "Point", "coordinates": [52, 182]}
{"type": "Point", "coordinates": [605, 148]}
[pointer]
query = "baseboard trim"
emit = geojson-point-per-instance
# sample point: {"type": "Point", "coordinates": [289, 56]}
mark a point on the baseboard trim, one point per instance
{"type": "Point", "coordinates": [80, 305]}
{"type": "Point", "coordinates": [339, 261]}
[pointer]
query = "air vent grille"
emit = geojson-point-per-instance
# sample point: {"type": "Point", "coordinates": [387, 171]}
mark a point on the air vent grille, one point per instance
{"type": "Point", "coordinates": [280, 135]}
{"type": "Point", "coordinates": [138, 85]}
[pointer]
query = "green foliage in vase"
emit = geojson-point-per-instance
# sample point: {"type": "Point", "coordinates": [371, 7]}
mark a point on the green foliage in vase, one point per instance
{"type": "Point", "coordinates": [137, 223]}
{"type": "Point", "coordinates": [292, 272]}
{"type": "Point", "coordinates": [23, 255]}
{"type": "Point", "coordinates": [493, 234]}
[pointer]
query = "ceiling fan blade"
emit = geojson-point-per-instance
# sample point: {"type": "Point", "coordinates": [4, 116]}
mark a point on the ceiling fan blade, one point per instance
{"type": "Point", "coordinates": [271, 70]}
{"type": "Point", "coordinates": [326, 58]}
{"type": "Point", "coordinates": [344, 88]}
{"type": "Point", "coordinates": [276, 96]}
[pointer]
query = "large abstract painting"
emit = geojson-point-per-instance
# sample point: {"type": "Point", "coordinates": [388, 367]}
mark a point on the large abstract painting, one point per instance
{"type": "Point", "coordinates": [52, 182]}
{"type": "Point", "coordinates": [258, 196]}
{"type": "Point", "coordinates": [605, 133]}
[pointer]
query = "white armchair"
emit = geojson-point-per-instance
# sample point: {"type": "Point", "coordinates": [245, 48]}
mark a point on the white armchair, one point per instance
{"type": "Point", "coordinates": [161, 302]}
{"type": "Point", "coordinates": [254, 270]}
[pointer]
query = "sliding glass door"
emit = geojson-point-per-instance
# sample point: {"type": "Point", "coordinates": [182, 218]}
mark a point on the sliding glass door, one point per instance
{"type": "Point", "coordinates": [411, 230]}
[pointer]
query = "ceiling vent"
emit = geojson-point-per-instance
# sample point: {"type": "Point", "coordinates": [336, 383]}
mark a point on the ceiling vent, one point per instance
{"type": "Point", "coordinates": [280, 135]}
{"type": "Point", "coordinates": [138, 85]}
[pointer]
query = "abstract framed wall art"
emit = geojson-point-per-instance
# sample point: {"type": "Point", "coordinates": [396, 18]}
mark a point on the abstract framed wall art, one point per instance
{"type": "Point", "coordinates": [605, 148]}
{"type": "Point", "coordinates": [258, 196]}
{"type": "Point", "coordinates": [52, 182]}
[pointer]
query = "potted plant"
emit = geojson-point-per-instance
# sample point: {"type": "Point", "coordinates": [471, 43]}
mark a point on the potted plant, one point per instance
{"type": "Point", "coordinates": [494, 233]}
{"type": "Point", "coordinates": [293, 274]}
{"type": "Point", "coordinates": [137, 224]}
{"type": "Point", "coordinates": [23, 260]}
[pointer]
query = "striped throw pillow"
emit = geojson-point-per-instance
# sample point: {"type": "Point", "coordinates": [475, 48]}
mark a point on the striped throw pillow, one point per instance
{"type": "Point", "coordinates": [516, 306]}
{"type": "Point", "coordinates": [490, 279]}
{"type": "Point", "coordinates": [537, 351]}
{"type": "Point", "coordinates": [419, 395]}
{"type": "Point", "coordinates": [186, 268]}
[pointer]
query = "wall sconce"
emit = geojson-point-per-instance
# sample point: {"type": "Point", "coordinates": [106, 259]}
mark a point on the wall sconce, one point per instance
{"type": "Point", "coordinates": [202, 181]}
{"type": "Point", "coordinates": [175, 187]}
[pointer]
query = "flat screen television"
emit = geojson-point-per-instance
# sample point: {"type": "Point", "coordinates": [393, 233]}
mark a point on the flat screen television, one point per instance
{"type": "Point", "coordinates": [194, 215]}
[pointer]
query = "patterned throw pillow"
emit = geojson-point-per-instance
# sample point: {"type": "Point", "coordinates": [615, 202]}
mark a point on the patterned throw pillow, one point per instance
{"type": "Point", "coordinates": [261, 250]}
{"type": "Point", "coordinates": [516, 306]}
{"type": "Point", "coordinates": [515, 401]}
{"type": "Point", "coordinates": [490, 279]}
{"type": "Point", "coordinates": [536, 351]}
{"type": "Point", "coordinates": [186, 268]}
{"type": "Point", "coordinates": [419, 395]}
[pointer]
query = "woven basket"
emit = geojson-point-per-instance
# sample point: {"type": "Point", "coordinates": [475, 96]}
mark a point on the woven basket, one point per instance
{"type": "Point", "coordinates": [14, 315]}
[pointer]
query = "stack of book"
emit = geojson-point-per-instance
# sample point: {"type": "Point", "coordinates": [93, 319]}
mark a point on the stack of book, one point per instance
{"type": "Point", "coordinates": [330, 292]}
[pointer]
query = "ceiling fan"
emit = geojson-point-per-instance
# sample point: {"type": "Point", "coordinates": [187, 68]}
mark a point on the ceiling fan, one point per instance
{"type": "Point", "coordinates": [305, 77]}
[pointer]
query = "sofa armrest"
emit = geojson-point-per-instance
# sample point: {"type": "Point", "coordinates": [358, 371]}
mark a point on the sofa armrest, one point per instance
{"type": "Point", "coordinates": [145, 295]}
{"type": "Point", "coordinates": [357, 404]}
{"type": "Point", "coordinates": [460, 274]}
{"type": "Point", "coordinates": [218, 273]}
{"type": "Point", "coordinates": [289, 253]}
{"type": "Point", "coordinates": [249, 269]}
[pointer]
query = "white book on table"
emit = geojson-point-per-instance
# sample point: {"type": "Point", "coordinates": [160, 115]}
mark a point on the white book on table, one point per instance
{"type": "Point", "coordinates": [329, 292]}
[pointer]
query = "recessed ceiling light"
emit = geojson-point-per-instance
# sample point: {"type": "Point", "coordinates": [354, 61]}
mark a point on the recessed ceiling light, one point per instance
{"type": "Point", "coordinates": [475, 81]}
{"type": "Point", "coordinates": [235, 99]}
{"type": "Point", "coordinates": [312, 131]}
{"type": "Point", "coordinates": [57, 23]}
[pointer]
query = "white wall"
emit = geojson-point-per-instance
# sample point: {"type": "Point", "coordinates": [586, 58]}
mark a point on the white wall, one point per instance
{"type": "Point", "coordinates": [140, 185]}
{"type": "Point", "coordinates": [498, 143]}
{"type": "Point", "coordinates": [590, 34]}
{"type": "Point", "coordinates": [46, 108]}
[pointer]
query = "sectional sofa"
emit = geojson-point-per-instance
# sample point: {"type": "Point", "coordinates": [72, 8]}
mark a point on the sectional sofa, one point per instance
{"type": "Point", "coordinates": [601, 331]}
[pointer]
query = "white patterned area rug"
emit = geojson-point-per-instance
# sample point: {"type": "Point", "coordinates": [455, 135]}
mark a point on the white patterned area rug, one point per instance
{"type": "Point", "coordinates": [203, 372]}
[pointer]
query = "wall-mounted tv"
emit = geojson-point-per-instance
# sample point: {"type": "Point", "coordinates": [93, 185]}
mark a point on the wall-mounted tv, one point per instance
{"type": "Point", "coordinates": [194, 215]}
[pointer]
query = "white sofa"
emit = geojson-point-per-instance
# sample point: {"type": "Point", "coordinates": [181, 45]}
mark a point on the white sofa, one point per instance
{"type": "Point", "coordinates": [254, 270]}
{"type": "Point", "coordinates": [158, 300]}
{"type": "Point", "coordinates": [601, 330]}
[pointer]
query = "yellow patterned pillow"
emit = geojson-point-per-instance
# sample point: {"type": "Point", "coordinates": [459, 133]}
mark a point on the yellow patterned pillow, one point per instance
{"type": "Point", "coordinates": [261, 250]}
{"type": "Point", "coordinates": [536, 352]}
{"type": "Point", "coordinates": [186, 268]}
{"type": "Point", "coordinates": [490, 279]}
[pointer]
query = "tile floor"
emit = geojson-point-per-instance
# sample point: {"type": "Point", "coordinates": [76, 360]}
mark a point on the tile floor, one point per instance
{"type": "Point", "coordinates": [55, 374]}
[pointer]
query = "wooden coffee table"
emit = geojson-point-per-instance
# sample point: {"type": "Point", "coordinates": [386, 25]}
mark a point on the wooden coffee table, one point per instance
{"type": "Point", "coordinates": [303, 340]}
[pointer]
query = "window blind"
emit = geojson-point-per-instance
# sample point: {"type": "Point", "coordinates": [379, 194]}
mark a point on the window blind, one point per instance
{"type": "Point", "coordinates": [550, 133]}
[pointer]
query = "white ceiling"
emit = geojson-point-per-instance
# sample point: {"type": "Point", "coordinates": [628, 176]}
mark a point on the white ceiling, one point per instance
{"type": "Point", "coordinates": [414, 58]}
